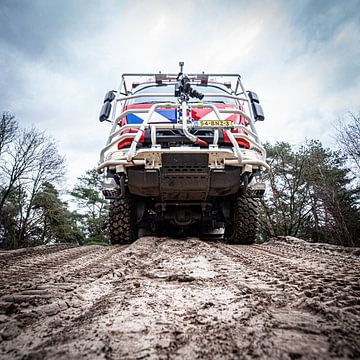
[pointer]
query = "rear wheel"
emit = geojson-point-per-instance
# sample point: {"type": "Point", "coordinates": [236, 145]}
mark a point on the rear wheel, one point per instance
{"type": "Point", "coordinates": [243, 227]}
{"type": "Point", "coordinates": [121, 221]}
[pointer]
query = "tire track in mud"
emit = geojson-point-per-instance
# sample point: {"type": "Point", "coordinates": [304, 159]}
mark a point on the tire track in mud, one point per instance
{"type": "Point", "coordinates": [327, 289]}
{"type": "Point", "coordinates": [179, 281]}
{"type": "Point", "coordinates": [161, 298]}
{"type": "Point", "coordinates": [9, 257]}
{"type": "Point", "coordinates": [49, 266]}
{"type": "Point", "coordinates": [310, 275]}
{"type": "Point", "coordinates": [63, 291]}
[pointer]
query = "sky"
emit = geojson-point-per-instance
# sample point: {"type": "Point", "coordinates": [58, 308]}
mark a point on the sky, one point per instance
{"type": "Point", "coordinates": [59, 57]}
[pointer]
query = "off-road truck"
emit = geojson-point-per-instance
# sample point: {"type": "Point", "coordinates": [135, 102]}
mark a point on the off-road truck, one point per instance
{"type": "Point", "coordinates": [183, 152]}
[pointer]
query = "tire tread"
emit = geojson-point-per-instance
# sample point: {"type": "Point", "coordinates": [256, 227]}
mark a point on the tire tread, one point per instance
{"type": "Point", "coordinates": [245, 221]}
{"type": "Point", "coordinates": [120, 222]}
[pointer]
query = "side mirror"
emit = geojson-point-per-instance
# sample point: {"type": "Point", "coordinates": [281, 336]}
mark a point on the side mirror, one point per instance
{"type": "Point", "coordinates": [258, 111]}
{"type": "Point", "coordinates": [256, 107]}
{"type": "Point", "coordinates": [106, 108]}
{"type": "Point", "coordinates": [105, 111]}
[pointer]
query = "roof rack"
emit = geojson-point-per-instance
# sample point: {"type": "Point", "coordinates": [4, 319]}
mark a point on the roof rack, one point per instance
{"type": "Point", "coordinates": [128, 79]}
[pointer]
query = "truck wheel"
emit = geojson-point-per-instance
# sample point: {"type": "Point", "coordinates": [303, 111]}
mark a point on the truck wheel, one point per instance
{"type": "Point", "coordinates": [121, 222]}
{"type": "Point", "coordinates": [244, 221]}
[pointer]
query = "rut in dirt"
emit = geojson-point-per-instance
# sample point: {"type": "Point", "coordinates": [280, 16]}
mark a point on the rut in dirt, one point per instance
{"type": "Point", "coordinates": [161, 298]}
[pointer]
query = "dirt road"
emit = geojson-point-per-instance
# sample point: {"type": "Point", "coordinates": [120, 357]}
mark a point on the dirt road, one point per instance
{"type": "Point", "coordinates": [161, 298]}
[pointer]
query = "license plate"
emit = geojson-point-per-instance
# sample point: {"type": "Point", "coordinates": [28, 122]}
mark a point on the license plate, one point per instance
{"type": "Point", "coordinates": [213, 123]}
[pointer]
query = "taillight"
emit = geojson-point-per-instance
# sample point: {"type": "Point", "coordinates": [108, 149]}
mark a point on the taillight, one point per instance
{"type": "Point", "coordinates": [242, 143]}
{"type": "Point", "coordinates": [125, 143]}
{"type": "Point", "coordinates": [128, 141]}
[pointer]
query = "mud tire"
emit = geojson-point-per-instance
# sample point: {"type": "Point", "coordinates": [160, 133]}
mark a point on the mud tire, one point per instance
{"type": "Point", "coordinates": [121, 222]}
{"type": "Point", "coordinates": [244, 225]}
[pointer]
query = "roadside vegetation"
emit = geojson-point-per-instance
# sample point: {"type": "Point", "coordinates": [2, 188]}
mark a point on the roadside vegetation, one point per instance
{"type": "Point", "coordinates": [313, 192]}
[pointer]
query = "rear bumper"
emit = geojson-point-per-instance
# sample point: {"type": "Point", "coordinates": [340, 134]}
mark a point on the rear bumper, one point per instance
{"type": "Point", "coordinates": [151, 158]}
{"type": "Point", "coordinates": [183, 186]}
{"type": "Point", "coordinates": [180, 174]}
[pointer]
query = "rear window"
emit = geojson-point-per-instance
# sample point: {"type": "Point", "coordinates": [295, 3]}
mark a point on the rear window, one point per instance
{"type": "Point", "coordinates": [170, 89]}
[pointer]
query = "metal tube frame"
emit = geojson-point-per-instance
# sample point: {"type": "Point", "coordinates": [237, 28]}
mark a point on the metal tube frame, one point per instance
{"type": "Point", "coordinates": [117, 135]}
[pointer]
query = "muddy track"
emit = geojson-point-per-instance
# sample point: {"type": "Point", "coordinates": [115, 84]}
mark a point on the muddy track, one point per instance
{"type": "Point", "coordinates": [161, 298]}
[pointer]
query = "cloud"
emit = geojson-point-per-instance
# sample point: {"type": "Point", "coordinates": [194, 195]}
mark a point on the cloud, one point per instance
{"type": "Point", "coordinates": [58, 58]}
{"type": "Point", "coordinates": [317, 22]}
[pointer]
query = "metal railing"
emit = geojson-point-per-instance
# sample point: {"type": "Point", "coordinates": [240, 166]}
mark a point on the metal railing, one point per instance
{"type": "Point", "coordinates": [248, 133]}
{"type": "Point", "coordinates": [118, 135]}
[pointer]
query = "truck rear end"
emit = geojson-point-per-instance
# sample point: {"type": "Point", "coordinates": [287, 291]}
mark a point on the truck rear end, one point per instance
{"type": "Point", "coordinates": [183, 152]}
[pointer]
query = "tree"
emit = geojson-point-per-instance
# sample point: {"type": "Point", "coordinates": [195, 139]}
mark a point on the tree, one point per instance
{"type": "Point", "coordinates": [8, 130]}
{"type": "Point", "coordinates": [8, 220]}
{"type": "Point", "coordinates": [48, 167]}
{"type": "Point", "coordinates": [25, 154]}
{"type": "Point", "coordinates": [54, 222]}
{"type": "Point", "coordinates": [28, 159]}
{"type": "Point", "coordinates": [348, 138]}
{"type": "Point", "coordinates": [333, 197]}
{"type": "Point", "coordinates": [93, 215]}
{"type": "Point", "coordinates": [284, 210]}
{"type": "Point", "coordinates": [309, 195]}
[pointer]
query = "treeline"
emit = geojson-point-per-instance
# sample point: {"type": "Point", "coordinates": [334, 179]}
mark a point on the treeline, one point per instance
{"type": "Point", "coordinates": [312, 192]}
{"type": "Point", "coordinates": [31, 209]}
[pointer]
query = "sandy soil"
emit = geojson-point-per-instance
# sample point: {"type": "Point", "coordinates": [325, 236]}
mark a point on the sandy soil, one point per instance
{"type": "Point", "coordinates": [161, 298]}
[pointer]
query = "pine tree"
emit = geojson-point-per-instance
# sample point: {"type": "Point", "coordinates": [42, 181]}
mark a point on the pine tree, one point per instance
{"type": "Point", "coordinates": [93, 214]}
{"type": "Point", "coordinates": [55, 223]}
